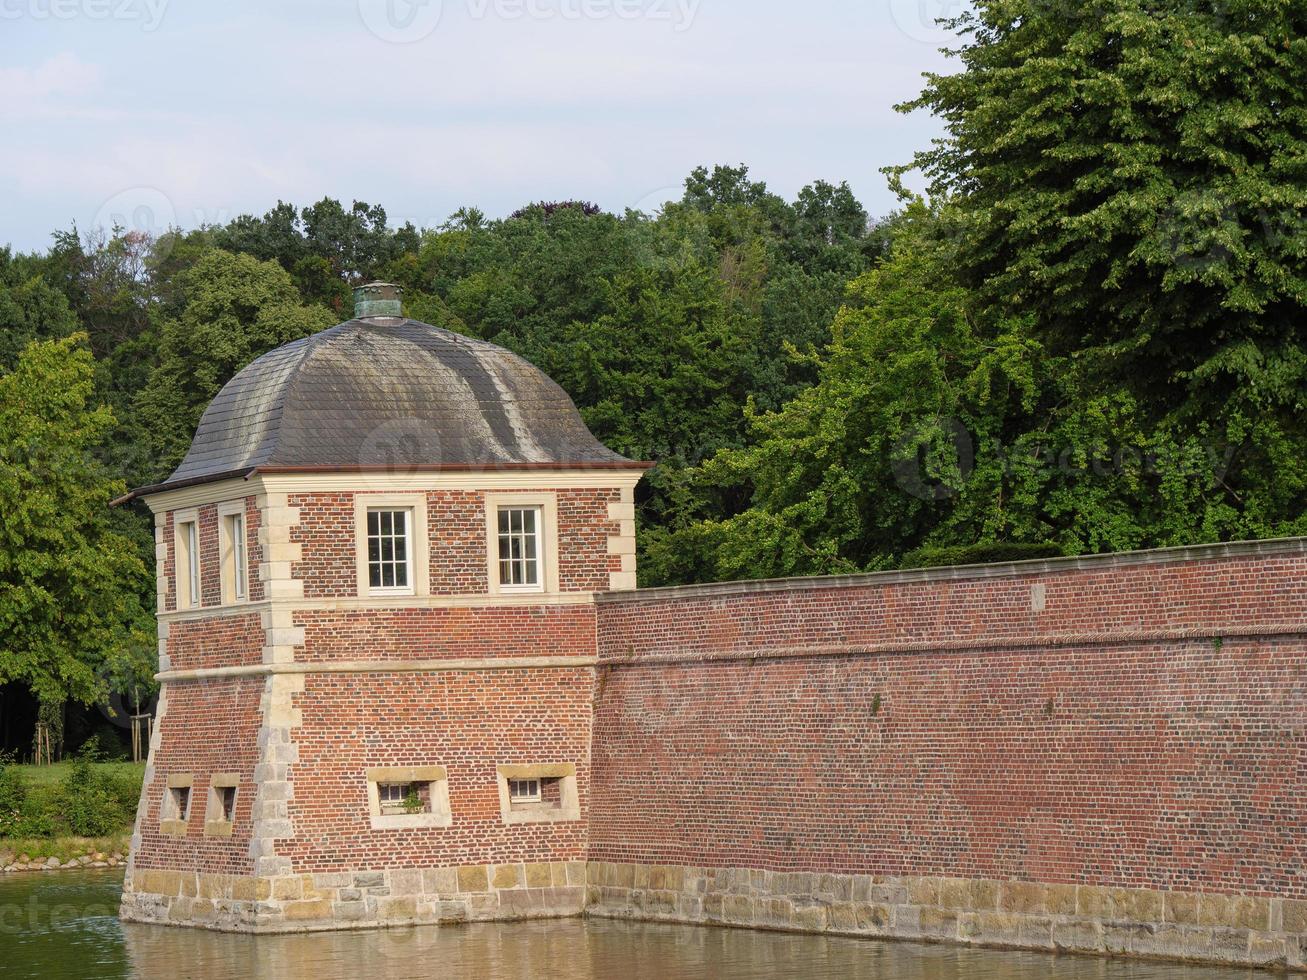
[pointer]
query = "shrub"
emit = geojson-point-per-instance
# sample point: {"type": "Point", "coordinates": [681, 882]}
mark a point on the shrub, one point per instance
{"type": "Point", "coordinates": [91, 801]}
{"type": "Point", "coordinates": [13, 796]}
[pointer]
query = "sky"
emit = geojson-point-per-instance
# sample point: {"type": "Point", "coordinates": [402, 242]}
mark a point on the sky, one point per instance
{"type": "Point", "coordinates": [152, 113]}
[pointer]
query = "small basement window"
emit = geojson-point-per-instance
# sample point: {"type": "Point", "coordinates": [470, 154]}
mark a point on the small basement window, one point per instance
{"type": "Point", "coordinates": [524, 791]}
{"type": "Point", "coordinates": [221, 812]}
{"type": "Point", "coordinates": [175, 810]}
{"type": "Point", "coordinates": [408, 796]}
{"type": "Point", "coordinates": [227, 803]}
{"type": "Point", "coordinates": [538, 793]}
{"type": "Point", "coordinates": [179, 799]}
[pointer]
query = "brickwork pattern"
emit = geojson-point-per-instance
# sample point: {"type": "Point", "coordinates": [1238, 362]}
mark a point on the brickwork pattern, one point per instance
{"type": "Point", "coordinates": [432, 634]}
{"type": "Point", "coordinates": [467, 721]}
{"type": "Point", "coordinates": [227, 641]}
{"type": "Point", "coordinates": [209, 726]}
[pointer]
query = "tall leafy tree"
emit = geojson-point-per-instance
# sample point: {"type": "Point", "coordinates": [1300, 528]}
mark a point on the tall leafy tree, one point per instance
{"type": "Point", "coordinates": [235, 308]}
{"type": "Point", "coordinates": [1132, 176]}
{"type": "Point", "coordinates": [70, 607]}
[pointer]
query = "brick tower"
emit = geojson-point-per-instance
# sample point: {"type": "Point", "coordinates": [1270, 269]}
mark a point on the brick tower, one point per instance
{"type": "Point", "coordinates": [377, 571]}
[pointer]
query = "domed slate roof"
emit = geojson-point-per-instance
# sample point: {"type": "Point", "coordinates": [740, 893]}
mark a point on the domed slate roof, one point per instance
{"type": "Point", "coordinates": [389, 393]}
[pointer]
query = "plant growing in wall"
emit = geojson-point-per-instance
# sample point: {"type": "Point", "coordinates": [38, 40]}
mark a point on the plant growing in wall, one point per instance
{"type": "Point", "coordinates": [413, 802]}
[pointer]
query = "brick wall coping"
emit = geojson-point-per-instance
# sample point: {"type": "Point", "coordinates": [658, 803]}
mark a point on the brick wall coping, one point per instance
{"type": "Point", "coordinates": [1041, 641]}
{"type": "Point", "coordinates": [376, 667]}
{"type": "Point", "coordinates": [1007, 569]}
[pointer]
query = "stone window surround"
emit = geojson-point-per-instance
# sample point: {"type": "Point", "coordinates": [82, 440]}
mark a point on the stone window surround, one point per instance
{"type": "Point", "coordinates": [436, 777]}
{"type": "Point", "coordinates": [418, 536]}
{"type": "Point", "coordinates": [547, 535]}
{"type": "Point", "coordinates": [169, 821]}
{"type": "Point", "coordinates": [214, 824]}
{"type": "Point", "coordinates": [227, 552]}
{"type": "Point", "coordinates": [569, 807]}
{"type": "Point", "coordinates": [183, 555]}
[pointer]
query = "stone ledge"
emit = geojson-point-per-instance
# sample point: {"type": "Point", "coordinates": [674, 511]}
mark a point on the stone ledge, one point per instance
{"type": "Point", "coordinates": [1205, 928]}
{"type": "Point", "coordinates": [355, 900]}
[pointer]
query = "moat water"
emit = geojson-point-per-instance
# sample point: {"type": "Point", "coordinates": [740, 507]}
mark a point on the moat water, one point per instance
{"type": "Point", "coordinates": [64, 925]}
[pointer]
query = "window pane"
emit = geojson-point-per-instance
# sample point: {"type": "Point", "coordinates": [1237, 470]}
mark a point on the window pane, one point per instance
{"type": "Point", "coordinates": [529, 521]}
{"type": "Point", "coordinates": [374, 576]}
{"type": "Point", "coordinates": [401, 575]}
{"type": "Point", "coordinates": [374, 522]}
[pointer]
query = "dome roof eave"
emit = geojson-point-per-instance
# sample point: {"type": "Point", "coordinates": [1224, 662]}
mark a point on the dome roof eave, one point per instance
{"type": "Point", "coordinates": [388, 394]}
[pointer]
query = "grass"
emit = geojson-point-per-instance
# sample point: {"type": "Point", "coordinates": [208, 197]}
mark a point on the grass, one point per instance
{"type": "Point", "coordinates": [66, 848]}
{"type": "Point", "coordinates": [48, 776]}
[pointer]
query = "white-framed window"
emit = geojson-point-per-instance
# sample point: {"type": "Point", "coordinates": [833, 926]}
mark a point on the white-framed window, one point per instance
{"type": "Point", "coordinates": [521, 558]}
{"type": "Point", "coordinates": [234, 552]}
{"type": "Point", "coordinates": [524, 790]}
{"type": "Point", "coordinates": [186, 571]}
{"type": "Point", "coordinates": [391, 544]}
{"type": "Point", "coordinates": [390, 549]}
{"type": "Point", "coordinates": [392, 796]}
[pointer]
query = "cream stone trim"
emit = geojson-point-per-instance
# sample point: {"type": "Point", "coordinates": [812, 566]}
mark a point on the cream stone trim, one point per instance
{"type": "Point", "coordinates": [376, 667]}
{"type": "Point", "coordinates": [623, 543]}
{"type": "Point", "coordinates": [162, 582]}
{"type": "Point", "coordinates": [569, 807]}
{"type": "Point", "coordinates": [181, 570]}
{"type": "Point", "coordinates": [350, 604]}
{"type": "Point", "coordinates": [273, 788]}
{"type": "Point", "coordinates": [548, 506]}
{"type": "Point", "coordinates": [436, 777]}
{"type": "Point", "coordinates": [419, 539]}
{"type": "Point", "coordinates": [170, 822]}
{"type": "Point", "coordinates": [215, 826]}
{"type": "Point", "coordinates": [494, 480]}
{"type": "Point", "coordinates": [227, 552]}
{"type": "Point", "coordinates": [204, 493]}
{"type": "Point", "coordinates": [321, 482]}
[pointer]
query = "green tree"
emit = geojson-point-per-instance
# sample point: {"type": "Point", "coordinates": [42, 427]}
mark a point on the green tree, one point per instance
{"type": "Point", "coordinates": [1131, 176]}
{"type": "Point", "coordinates": [235, 308]}
{"type": "Point", "coordinates": [70, 606]}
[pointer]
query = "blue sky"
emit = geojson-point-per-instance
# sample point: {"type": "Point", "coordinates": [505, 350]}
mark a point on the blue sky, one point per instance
{"type": "Point", "coordinates": [160, 111]}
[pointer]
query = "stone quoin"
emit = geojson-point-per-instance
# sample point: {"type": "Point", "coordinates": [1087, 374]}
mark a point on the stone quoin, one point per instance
{"type": "Point", "coordinates": [406, 678]}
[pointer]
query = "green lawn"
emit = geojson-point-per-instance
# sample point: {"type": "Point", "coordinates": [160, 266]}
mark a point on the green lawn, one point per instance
{"type": "Point", "coordinates": [43, 776]}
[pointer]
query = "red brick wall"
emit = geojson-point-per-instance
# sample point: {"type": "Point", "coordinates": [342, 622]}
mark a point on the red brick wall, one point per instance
{"type": "Point", "coordinates": [209, 726]}
{"type": "Point", "coordinates": [456, 526]}
{"type": "Point", "coordinates": [226, 641]}
{"type": "Point", "coordinates": [430, 634]}
{"type": "Point", "coordinates": [977, 738]}
{"type": "Point", "coordinates": [210, 555]}
{"type": "Point", "coordinates": [469, 722]}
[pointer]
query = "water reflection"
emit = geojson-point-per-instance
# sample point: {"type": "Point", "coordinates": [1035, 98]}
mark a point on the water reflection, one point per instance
{"type": "Point", "coordinates": [62, 925]}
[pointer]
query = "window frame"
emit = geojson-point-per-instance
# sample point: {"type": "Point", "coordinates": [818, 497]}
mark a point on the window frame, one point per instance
{"type": "Point", "coordinates": [171, 821]}
{"type": "Point", "coordinates": [389, 816]}
{"type": "Point", "coordinates": [546, 506]}
{"type": "Point", "coordinates": [521, 811]}
{"type": "Point", "coordinates": [515, 795]}
{"type": "Point", "coordinates": [216, 823]}
{"type": "Point", "coordinates": [187, 569]}
{"type": "Point", "coordinates": [234, 552]}
{"type": "Point", "coordinates": [418, 543]}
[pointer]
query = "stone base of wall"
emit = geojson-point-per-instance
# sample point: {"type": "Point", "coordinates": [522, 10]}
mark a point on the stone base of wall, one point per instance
{"type": "Point", "coordinates": [353, 900]}
{"type": "Point", "coordinates": [1014, 914]}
